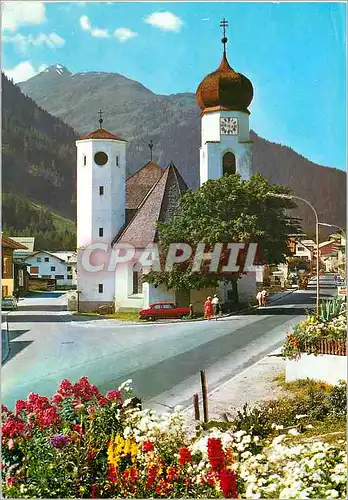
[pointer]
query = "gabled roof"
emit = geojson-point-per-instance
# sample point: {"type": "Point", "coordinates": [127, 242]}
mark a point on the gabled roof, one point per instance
{"type": "Point", "coordinates": [27, 241]}
{"type": "Point", "coordinates": [7, 242]}
{"type": "Point", "coordinates": [51, 254]}
{"type": "Point", "coordinates": [159, 205]}
{"type": "Point", "coordinates": [101, 133]}
{"type": "Point", "coordinates": [139, 184]}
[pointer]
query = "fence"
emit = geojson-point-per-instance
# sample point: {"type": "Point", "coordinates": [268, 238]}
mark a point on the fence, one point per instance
{"type": "Point", "coordinates": [327, 346]}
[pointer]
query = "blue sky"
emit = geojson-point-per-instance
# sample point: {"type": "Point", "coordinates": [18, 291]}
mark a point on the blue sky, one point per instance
{"type": "Point", "coordinates": [294, 53]}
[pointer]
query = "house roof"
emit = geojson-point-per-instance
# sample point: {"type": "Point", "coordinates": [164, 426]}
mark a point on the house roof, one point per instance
{"type": "Point", "coordinates": [160, 204]}
{"type": "Point", "coordinates": [45, 252]}
{"type": "Point", "coordinates": [101, 133]}
{"type": "Point", "coordinates": [27, 241]}
{"type": "Point", "coordinates": [139, 184]}
{"type": "Point", "coordinates": [7, 242]}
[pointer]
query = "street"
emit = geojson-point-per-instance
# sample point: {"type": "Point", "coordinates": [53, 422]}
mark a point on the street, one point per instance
{"type": "Point", "coordinates": [163, 360]}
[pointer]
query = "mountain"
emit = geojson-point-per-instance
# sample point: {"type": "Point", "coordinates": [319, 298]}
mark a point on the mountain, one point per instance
{"type": "Point", "coordinates": [172, 123]}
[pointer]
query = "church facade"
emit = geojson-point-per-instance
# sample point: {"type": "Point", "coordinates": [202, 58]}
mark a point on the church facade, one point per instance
{"type": "Point", "coordinates": [113, 209]}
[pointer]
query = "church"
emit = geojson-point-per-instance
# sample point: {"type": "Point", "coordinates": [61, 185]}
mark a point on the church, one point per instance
{"type": "Point", "coordinates": [113, 209]}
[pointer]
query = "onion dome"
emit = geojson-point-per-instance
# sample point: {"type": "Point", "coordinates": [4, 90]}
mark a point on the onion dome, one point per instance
{"type": "Point", "coordinates": [224, 89]}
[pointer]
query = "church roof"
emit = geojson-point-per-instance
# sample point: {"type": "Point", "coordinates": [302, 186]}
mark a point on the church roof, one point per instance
{"type": "Point", "coordinates": [160, 205]}
{"type": "Point", "coordinates": [139, 184]}
{"type": "Point", "coordinates": [101, 133]}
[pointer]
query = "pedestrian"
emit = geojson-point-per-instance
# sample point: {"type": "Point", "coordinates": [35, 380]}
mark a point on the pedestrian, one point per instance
{"type": "Point", "coordinates": [259, 298]}
{"type": "Point", "coordinates": [264, 295]}
{"type": "Point", "coordinates": [282, 283]}
{"type": "Point", "coordinates": [208, 308]}
{"type": "Point", "coordinates": [16, 294]}
{"type": "Point", "coordinates": [191, 310]}
{"type": "Point", "coordinates": [216, 306]}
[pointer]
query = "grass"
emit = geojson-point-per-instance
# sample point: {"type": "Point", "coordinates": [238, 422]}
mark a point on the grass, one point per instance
{"type": "Point", "coordinates": [301, 387]}
{"type": "Point", "coordinates": [120, 316]}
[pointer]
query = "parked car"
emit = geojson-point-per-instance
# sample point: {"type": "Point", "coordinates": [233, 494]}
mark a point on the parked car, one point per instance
{"type": "Point", "coordinates": [163, 310]}
{"type": "Point", "coordinates": [9, 303]}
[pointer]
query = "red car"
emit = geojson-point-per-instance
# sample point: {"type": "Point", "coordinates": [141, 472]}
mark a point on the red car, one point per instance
{"type": "Point", "coordinates": [163, 310]}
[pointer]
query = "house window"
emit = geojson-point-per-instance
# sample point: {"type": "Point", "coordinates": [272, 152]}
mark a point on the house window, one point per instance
{"type": "Point", "coordinates": [60, 277]}
{"type": "Point", "coordinates": [46, 276]}
{"type": "Point", "coordinates": [34, 270]}
{"type": "Point", "coordinates": [84, 160]}
{"type": "Point", "coordinates": [6, 270]}
{"type": "Point", "coordinates": [38, 259]}
{"type": "Point", "coordinates": [47, 259]}
{"type": "Point", "coordinates": [69, 277]}
{"type": "Point", "coordinates": [101, 232]}
{"type": "Point", "coordinates": [68, 268]}
{"type": "Point", "coordinates": [101, 190]}
{"type": "Point", "coordinates": [137, 279]}
{"type": "Point", "coordinates": [300, 249]}
{"type": "Point", "coordinates": [100, 288]}
{"type": "Point", "coordinates": [116, 160]}
{"type": "Point", "coordinates": [53, 268]}
{"type": "Point", "coordinates": [4, 290]}
{"type": "Point", "coordinates": [228, 163]}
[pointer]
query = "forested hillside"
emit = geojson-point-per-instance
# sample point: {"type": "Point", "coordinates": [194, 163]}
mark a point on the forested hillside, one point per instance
{"type": "Point", "coordinates": [21, 217]}
{"type": "Point", "coordinates": [38, 156]}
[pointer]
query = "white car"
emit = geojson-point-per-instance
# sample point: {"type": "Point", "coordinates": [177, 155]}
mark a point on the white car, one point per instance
{"type": "Point", "coordinates": [9, 303]}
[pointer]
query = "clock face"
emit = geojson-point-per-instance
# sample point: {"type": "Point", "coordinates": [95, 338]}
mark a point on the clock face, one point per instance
{"type": "Point", "coordinates": [101, 158]}
{"type": "Point", "coordinates": [229, 126]}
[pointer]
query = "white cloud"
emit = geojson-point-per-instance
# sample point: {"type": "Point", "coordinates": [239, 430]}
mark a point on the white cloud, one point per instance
{"type": "Point", "coordinates": [85, 24]}
{"type": "Point", "coordinates": [124, 34]}
{"type": "Point", "coordinates": [23, 71]}
{"type": "Point", "coordinates": [165, 21]}
{"type": "Point", "coordinates": [97, 32]}
{"type": "Point", "coordinates": [100, 33]}
{"type": "Point", "coordinates": [17, 14]}
{"type": "Point", "coordinates": [22, 42]}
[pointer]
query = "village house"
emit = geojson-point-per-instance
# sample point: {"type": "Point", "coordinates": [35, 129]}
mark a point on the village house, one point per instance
{"type": "Point", "coordinates": [10, 280]}
{"type": "Point", "coordinates": [60, 266]}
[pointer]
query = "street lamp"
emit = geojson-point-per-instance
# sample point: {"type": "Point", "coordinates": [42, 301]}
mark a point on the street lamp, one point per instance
{"type": "Point", "coordinates": [333, 225]}
{"type": "Point", "coordinates": [289, 197]}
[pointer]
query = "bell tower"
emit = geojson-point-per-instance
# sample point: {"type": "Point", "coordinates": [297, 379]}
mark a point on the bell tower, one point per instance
{"type": "Point", "coordinates": [101, 202]}
{"type": "Point", "coordinates": [224, 97]}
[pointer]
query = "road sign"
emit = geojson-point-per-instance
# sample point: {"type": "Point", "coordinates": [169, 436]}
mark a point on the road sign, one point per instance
{"type": "Point", "coordinates": [342, 291]}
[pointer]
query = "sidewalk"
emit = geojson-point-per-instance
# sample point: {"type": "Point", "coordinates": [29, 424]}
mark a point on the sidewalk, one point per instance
{"type": "Point", "coordinates": [251, 386]}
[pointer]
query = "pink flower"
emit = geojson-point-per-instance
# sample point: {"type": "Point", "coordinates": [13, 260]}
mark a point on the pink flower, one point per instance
{"type": "Point", "coordinates": [11, 444]}
{"type": "Point", "coordinates": [114, 395]}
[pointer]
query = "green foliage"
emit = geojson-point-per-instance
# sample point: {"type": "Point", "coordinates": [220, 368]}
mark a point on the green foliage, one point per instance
{"type": "Point", "coordinates": [254, 421]}
{"type": "Point", "coordinates": [330, 309]}
{"type": "Point", "coordinates": [21, 217]}
{"type": "Point", "coordinates": [227, 210]}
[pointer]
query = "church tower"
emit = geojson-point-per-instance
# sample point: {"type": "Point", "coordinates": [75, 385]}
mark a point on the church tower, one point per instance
{"type": "Point", "coordinates": [101, 201]}
{"type": "Point", "coordinates": [224, 97]}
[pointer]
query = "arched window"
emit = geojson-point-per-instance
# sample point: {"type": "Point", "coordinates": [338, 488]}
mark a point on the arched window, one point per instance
{"type": "Point", "coordinates": [228, 163]}
{"type": "Point", "coordinates": [137, 279]}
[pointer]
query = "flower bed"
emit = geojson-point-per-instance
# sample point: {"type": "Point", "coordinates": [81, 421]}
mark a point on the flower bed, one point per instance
{"type": "Point", "coordinates": [82, 444]}
{"type": "Point", "coordinates": [326, 334]}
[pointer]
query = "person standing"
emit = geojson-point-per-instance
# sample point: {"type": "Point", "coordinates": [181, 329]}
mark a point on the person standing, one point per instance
{"type": "Point", "coordinates": [216, 306]}
{"type": "Point", "coordinates": [16, 294]}
{"type": "Point", "coordinates": [208, 308]}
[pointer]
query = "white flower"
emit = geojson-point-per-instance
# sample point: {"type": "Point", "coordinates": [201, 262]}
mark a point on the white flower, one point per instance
{"type": "Point", "coordinates": [301, 416]}
{"type": "Point", "coordinates": [239, 434]}
{"type": "Point", "coordinates": [293, 432]}
{"type": "Point", "coordinates": [309, 426]}
{"type": "Point", "coordinates": [278, 439]}
{"type": "Point", "coordinates": [125, 385]}
{"type": "Point", "coordinates": [332, 494]}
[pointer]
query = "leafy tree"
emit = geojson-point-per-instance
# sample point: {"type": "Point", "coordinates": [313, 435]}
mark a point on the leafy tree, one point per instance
{"type": "Point", "coordinates": [227, 210]}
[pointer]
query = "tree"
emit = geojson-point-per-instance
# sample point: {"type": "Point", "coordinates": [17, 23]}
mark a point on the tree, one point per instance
{"type": "Point", "coordinates": [227, 210]}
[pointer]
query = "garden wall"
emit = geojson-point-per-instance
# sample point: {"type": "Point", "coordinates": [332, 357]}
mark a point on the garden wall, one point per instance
{"type": "Point", "coordinates": [325, 367]}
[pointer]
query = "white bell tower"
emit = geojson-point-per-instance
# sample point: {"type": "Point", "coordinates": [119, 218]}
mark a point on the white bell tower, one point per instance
{"type": "Point", "coordinates": [224, 97]}
{"type": "Point", "coordinates": [101, 202]}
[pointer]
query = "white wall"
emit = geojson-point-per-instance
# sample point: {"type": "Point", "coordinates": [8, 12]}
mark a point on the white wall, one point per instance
{"type": "Point", "coordinates": [60, 268]}
{"type": "Point", "coordinates": [326, 367]}
{"type": "Point", "coordinates": [247, 287]}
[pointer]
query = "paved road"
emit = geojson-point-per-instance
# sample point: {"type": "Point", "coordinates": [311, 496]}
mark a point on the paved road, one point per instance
{"type": "Point", "coordinates": [163, 360]}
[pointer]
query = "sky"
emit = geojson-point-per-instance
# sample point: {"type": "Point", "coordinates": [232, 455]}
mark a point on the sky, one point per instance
{"type": "Point", "coordinates": [294, 54]}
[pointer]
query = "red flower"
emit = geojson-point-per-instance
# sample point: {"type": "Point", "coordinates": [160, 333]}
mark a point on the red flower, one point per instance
{"type": "Point", "coordinates": [94, 491]}
{"type": "Point", "coordinates": [147, 446]}
{"type": "Point", "coordinates": [228, 484]}
{"type": "Point", "coordinates": [76, 428]}
{"type": "Point", "coordinates": [57, 398]}
{"type": "Point", "coordinates": [184, 456]}
{"type": "Point", "coordinates": [112, 476]}
{"type": "Point", "coordinates": [12, 427]}
{"type": "Point", "coordinates": [20, 406]}
{"type": "Point", "coordinates": [172, 474]}
{"type": "Point", "coordinates": [48, 418]}
{"type": "Point", "coordinates": [151, 478]}
{"type": "Point", "coordinates": [216, 454]}
{"type": "Point", "coordinates": [114, 395]}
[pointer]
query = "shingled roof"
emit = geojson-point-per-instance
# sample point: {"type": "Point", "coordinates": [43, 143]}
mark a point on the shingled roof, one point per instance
{"type": "Point", "coordinates": [139, 184]}
{"type": "Point", "coordinates": [159, 205]}
{"type": "Point", "coordinates": [7, 242]}
{"type": "Point", "coordinates": [101, 133]}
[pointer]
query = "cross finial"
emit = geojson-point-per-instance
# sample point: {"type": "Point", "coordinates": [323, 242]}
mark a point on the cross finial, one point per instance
{"type": "Point", "coordinates": [224, 25]}
{"type": "Point", "coordinates": [100, 113]}
{"type": "Point", "coordinates": [150, 147]}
